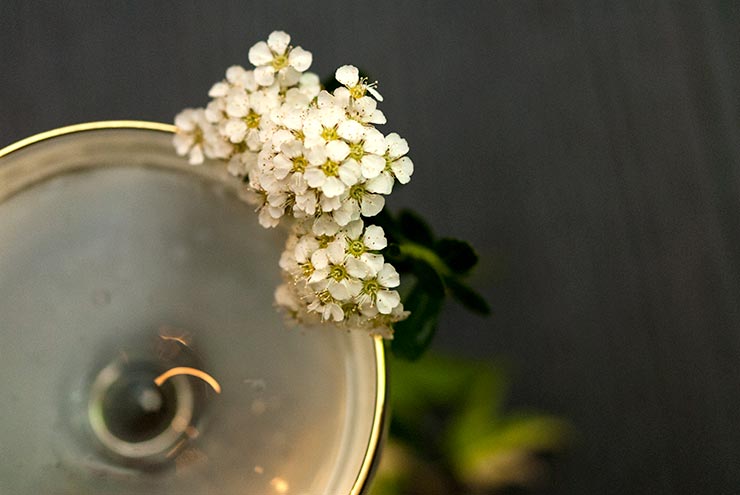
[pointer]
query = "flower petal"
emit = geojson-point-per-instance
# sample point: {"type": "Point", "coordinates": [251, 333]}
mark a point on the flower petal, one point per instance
{"type": "Point", "coordinates": [196, 155]}
{"type": "Point", "coordinates": [300, 59]}
{"type": "Point", "coordinates": [278, 42]}
{"type": "Point", "coordinates": [334, 311]}
{"type": "Point", "coordinates": [260, 54]}
{"type": "Point", "coordinates": [375, 93]}
{"type": "Point", "coordinates": [374, 238]}
{"type": "Point", "coordinates": [332, 186]}
{"type": "Point", "coordinates": [354, 286]}
{"type": "Point", "coordinates": [382, 184]}
{"type": "Point", "coordinates": [402, 169]}
{"type": "Point", "coordinates": [264, 75]}
{"type": "Point", "coordinates": [316, 155]}
{"type": "Point", "coordinates": [349, 172]}
{"type": "Point", "coordinates": [346, 213]}
{"type": "Point", "coordinates": [282, 166]}
{"type": "Point", "coordinates": [219, 89]}
{"type": "Point", "coordinates": [374, 262]}
{"type": "Point", "coordinates": [335, 251]}
{"type": "Point", "coordinates": [387, 300]}
{"type": "Point", "coordinates": [377, 117]}
{"type": "Point", "coordinates": [354, 229]}
{"type": "Point", "coordinates": [235, 130]}
{"type": "Point", "coordinates": [372, 165]}
{"type": "Point", "coordinates": [320, 259]}
{"type": "Point", "coordinates": [237, 103]}
{"type": "Point", "coordinates": [375, 142]}
{"type": "Point", "coordinates": [339, 291]}
{"type": "Point", "coordinates": [325, 225]}
{"type": "Point", "coordinates": [337, 150]}
{"type": "Point", "coordinates": [266, 219]}
{"type": "Point", "coordinates": [314, 177]}
{"type": "Point", "coordinates": [318, 275]}
{"type": "Point", "coordinates": [397, 146]}
{"type": "Point", "coordinates": [348, 75]}
{"type": "Point", "coordinates": [388, 276]}
{"type": "Point", "coordinates": [352, 131]}
{"type": "Point", "coordinates": [357, 268]}
{"type": "Point", "coordinates": [288, 76]}
{"type": "Point", "coordinates": [371, 204]}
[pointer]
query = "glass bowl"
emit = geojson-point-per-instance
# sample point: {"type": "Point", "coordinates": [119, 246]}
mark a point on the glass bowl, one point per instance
{"type": "Point", "coordinates": [140, 352]}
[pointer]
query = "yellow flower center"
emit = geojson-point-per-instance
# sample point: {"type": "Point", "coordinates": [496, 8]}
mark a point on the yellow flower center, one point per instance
{"type": "Point", "coordinates": [307, 269]}
{"type": "Point", "coordinates": [299, 164]}
{"type": "Point", "coordinates": [356, 192]}
{"type": "Point", "coordinates": [357, 151]}
{"type": "Point", "coordinates": [330, 168]}
{"type": "Point", "coordinates": [370, 287]}
{"type": "Point", "coordinates": [325, 297]}
{"type": "Point", "coordinates": [338, 272]}
{"type": "Point", "coordinates": [329, 133]}
{"type": "Point", "coordinates": [357, 91]}
{"type": "Point", "coordinates": [252, 119]}
{"type": "Point", "coordinates": [350, 309]}
{"type": "Point", "coordinates": [356, 247]}
{"type": "Point", "coordinates": [280, 62]}
{"type": "Point", "coordinates": [324, 240]}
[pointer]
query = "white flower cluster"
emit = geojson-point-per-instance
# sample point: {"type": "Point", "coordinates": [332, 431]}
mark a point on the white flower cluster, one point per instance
{"type": "Point", "coordinates": [315, 160]}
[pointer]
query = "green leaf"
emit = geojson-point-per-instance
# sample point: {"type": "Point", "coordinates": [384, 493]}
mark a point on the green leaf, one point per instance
{"type": "Point", "coordinates": [392, 251]}
{"type": "Point", "coordinates": [428, 278]}
{"type": "Point", "coordinates": [458, 255]}
{"type": "Point", "coordinates": [414, 228]}
{"type": "Point", "coordinates": [413, 335]}
{"type": "Point", "coordinates": [468, 297]}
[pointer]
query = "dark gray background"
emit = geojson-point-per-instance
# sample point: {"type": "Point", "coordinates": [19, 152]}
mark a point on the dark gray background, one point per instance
{"type": "Point", "coordinates": [590, 150]}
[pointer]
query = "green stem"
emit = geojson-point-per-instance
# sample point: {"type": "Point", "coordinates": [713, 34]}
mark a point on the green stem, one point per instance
{"type": "Point", "coordinates": [423, 253]}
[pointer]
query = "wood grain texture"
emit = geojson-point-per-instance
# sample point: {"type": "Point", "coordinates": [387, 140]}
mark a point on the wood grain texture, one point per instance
{"type": "Point", "coordinates": [590, 150]}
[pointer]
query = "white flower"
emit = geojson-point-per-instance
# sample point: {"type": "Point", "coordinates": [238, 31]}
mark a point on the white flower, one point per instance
{"type": "Point", "coordinates": [197, 137]}
{"type": "Point", "coordinates": [269, 214]}
{"type": "Point", "coordinates": [397, 166]}
{"type": "Point", "coordinates": [358, 201]}
{"type": "Point", "coordinates": [248, 116]}
{"type": "Point", "coordinates": [315, 159]}
{"type": "Point", "coordinates": [322, 120]}
{"type": "Point", "coordinates": [290, 159]}
{"type": "Point", "coordinates": [325, 305]}
{"type": "Point", "coordinates": [241, 78]}
{"type": "Point", "coordinates": [366, 147]}
{"type": "Point", "coordinates": [341, 273]}
{"type": "Point", "coordinates": [215, 111]}
{"type": "Point", "coordinates": [326, 170]}
{"type": "Point", "coordinates": [293, 298]}
{"type": "Point", "coordinates": [241, 164]}
{"type": "Point", "coordinates": [376, 290]}
{"type": "Point", "coordinates": [361, 240]}
{"type": "Point", "coordinates": [309, 84]}
{"type": "Point", "coordinates": [349, 76]}
{"type": "Point", "coordinates": [276, 56]}
{"type": "Point", "coordinates": [364, 109]}
{"type": "Point", "coordinates": [306, 199]}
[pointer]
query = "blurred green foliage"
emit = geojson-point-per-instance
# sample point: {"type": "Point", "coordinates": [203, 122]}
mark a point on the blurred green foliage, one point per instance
{"type": "Point", "coordinates": [451, 434]}
{"type": "Point", "coordinates": [436, 267]}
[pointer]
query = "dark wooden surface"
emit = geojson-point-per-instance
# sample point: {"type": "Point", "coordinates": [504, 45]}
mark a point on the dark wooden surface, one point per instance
{"type": "Point", "coordinates": [590, 150]}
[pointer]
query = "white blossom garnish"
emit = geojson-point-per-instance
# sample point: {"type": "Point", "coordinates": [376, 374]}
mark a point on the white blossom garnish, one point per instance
{"type": "Point", "coordinates": [313, 160]}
